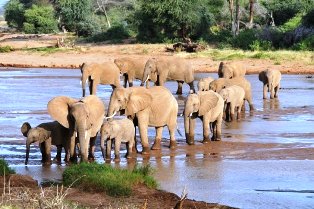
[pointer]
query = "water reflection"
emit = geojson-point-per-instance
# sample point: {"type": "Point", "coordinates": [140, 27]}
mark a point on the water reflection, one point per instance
{"type": "Point", "coordinates": [272, 104]}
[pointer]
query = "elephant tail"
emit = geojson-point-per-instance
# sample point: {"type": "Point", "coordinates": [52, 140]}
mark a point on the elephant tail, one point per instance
{"type": "Point", "coordinates": [82, 66]}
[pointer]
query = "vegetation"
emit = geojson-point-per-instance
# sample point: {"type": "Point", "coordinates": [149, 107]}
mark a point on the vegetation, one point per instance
{"type": "Point", "coordinates": [104, 178]}
{"type": "Point", "coordinates": [5, 49]}
{"type": "Point", "coordinates": [4, 168]}
{"type": "Point", "coordinates": [243, 24]}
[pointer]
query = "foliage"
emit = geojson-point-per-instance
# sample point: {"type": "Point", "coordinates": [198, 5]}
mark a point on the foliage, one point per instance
{"type": "Point", "coordinates": [244, 39]}
{"type": "Point", "coordinates": [4, 168]}
{"type": "Point", "coordinates": [99, 177]}
{"type": "Point", "coordinates": [89, 26]}
{"type": "Point", "coordinates": [305, 45]}
{"type": "Point", "coordinates": [308, 19]}
{"type": "Point", "coordinates": [260, 45]}
{"type": "Point", "coordinates": [114, 34]}
{"type": "Point", "coordinates": [5, 49]}
{"type": "Point", "coordinates": [14, 14]}
{"type": "Point", "coordinates": [73, 13]}
{"type": "Point", "coordinates": [291, 24]}
{"type": "Point", "coordinates": [40, 19]}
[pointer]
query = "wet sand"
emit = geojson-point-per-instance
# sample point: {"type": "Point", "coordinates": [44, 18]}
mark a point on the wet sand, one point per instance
{"type": "Point", "coordinates": [271, 149]}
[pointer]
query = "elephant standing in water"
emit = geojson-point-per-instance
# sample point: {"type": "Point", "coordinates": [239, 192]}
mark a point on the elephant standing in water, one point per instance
{"type": "Point", "coordinates": [221, 83]}
{"type": "Point", "coordinates": [46, 134]}
{"type": "Point", "coordinates": [203, 83]}
{"type": "Point", "coordinates": [82, 117]}
{"type": "Point", "coordinates": [231, 70]}
{"type": "Point", "coordinates": [154, 107]}
{"type": "Point", "coordinates": [208, 106]}
{"type": "Point", "coordinates": [99, 73]}
{"type": "Point", "coordinates": [271, 82]}
{"type": "Point", "coordinates": [119, 130]}
{"type": "Point", "coordinates": [233, 97]}
{"type": "Point", "coordinates": [176, 69]}
{"type": "Point", "coordinates": [133, 68]}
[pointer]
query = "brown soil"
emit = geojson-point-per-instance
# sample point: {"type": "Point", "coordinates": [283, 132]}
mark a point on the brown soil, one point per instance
{"type": "Point", "coordinates": [73, 58]}
{"type": "Point", "coordinates": [24, 191]}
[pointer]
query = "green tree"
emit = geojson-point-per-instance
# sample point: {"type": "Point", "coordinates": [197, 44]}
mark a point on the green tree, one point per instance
{"type": "Point", "coordinates": [14, 14]}
{"type": "Point", "coordinates": [40, 19]}
{"type": "Point", "coordinates": [74, 13]}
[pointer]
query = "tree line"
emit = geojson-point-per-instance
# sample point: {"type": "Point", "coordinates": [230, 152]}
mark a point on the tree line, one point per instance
{"type": "Point", "coordinates": [246, 24]}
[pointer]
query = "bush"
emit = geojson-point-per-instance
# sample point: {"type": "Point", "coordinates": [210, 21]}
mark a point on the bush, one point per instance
{"type": "Point", "coordinates": [14, 14]}
{"type": "Point", "coordinates": [261, 45]}
{"type": "Point", "coordinates": [104, 178]}
{"type": "Point", "coordinates": [4, 168]}
{"type": "Point", "coordinates": [305, 45]}
{"type": "Point", "coordinates": [115, 33]}
{"type": "Point", "coordinates": [291, 24]}
{"type": "Point", "coordinates": [308, 19]}
{"type": "Point", "coordinates": [88, 27]}
{"type": "Point", "coordinates": [5, 49]}
{"type": "Point", "coordinates": [245, 39]}
{"type": "Point", "coordinates": [40, 19]}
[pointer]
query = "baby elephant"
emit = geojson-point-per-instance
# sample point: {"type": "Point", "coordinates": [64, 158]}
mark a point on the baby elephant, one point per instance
{"type": "Point", "coordinates": [203, 84]}
{"type": "Point", "coordinates": [271, 81]}
{"type": "Point", "coordinates": [46, 134]}
{"type": "Point", "coordinates": [234, 98]}
{"type": "Point", "coordinates": [119, 130]}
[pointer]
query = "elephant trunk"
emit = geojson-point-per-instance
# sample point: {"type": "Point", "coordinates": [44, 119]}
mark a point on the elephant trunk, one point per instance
{"type": "Point", "coordinates": [84, 81]}
{"type": "Point", "coordinates": [186, 127]}
{"type": "Point", "coordinates": [28, 145]}
{"type": "Point", "coordinates": [84, 142]}
{"type": "Point", "coordinates": [145, 76]}
{"type": "Point", "coordinates": [102, 145]}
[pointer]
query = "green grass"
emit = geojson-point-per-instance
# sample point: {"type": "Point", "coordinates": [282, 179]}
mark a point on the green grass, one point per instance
{"type": "Point", "coordinates": [104, 178]}
{"type": "Point", "coordinates": [4, 168]}
{"type": "Point", "coordinates": [306, 57]}
{"type": "Point", "coordinates": [5, 49]}
{"type": "Point", "coordinates": [46, 50]}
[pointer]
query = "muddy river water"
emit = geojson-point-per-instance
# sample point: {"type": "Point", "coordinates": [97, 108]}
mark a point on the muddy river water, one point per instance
{"type": "Point", "coordinates": [265, 160]}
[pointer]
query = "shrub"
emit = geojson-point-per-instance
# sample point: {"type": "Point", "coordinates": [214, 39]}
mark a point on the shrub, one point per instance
{"type": "Point", "coordinates": [292, 24]}
{"type": "Point", "coordinates": [4, 168]}
{"type": "Point", "coordinates": [14, 14]}
{"type": "Point", "coordinates": [244, 39]}
{"type": "Point", "coordinates": [308, 19]}
{"type": "Point", "coordinates": [5, 49]}
{"type": "Point", "coordinates": [104, 178]}
{"type": "Point", "coordinates": [88, 27]}
{"type": "Point", "coordinates": [261, 45]}
{"type": "Point", "coordinates": [115, 33]}
{"type": "Point", "coordinates": [305, 45]}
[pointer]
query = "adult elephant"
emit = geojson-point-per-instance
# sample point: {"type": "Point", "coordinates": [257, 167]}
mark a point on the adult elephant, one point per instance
{"type": "Point", "coordinates": [133, 68]}
{"type": "Point", "coordinates": [84, 117]}
{"type": "Point", "coordinates": [271, 82]}
{"type": "Point", "coordinates": [154, 107]}
{"type": "Point", "coordinates": [46, 134]}
{"type": "Point", "coordinates": [99, 73]}
{"type": "Point", "coordinates": [176, 69]}
{"type": "Point", "coordinates": [208, 106]}
{"type": "Point", "coordinates": [221, 83]}
{"type": "Point", "coordinates": [230, 70]}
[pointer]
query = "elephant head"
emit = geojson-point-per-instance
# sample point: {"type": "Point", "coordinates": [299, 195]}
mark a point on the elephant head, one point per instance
{"type": "Point", "coordinates": [225, 94]}
{"type": "Point", "coordinates": [225, 71]}
{"type": "Point", "coordinates": [217, 84]}
{"type": "Point", "coordinates": [150, 69]}
{"type": "Point", "coordinates": [88, 75]}
{"type": "Point", "coordinates": [37, 134]}
{"type": "Point", "coordinates": [197, 105]}
{"type": "Point", "coordinates": [83, 116]}
{"type": "Point", "coordinates": [132, 100]}
{"type": "Point", "coordinates": [122, 64]}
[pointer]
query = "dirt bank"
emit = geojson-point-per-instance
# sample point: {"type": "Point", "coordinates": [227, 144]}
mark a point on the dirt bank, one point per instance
{"type": "Point", "coordinates": [26, 55]}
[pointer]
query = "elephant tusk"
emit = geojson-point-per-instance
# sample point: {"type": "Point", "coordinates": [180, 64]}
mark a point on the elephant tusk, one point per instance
{"type": "Point", "coordinates": [111, 115]}
{"type": "Point", "coordinates": [146, 79]}
{"type": "Point", "coordinates": [75, 134]}
{"type": "Point", "coordinates": [190, 114]}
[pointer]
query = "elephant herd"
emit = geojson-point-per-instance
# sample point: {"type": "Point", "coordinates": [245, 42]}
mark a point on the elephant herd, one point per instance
{"type": "Point", "coordinates": [78, 121]}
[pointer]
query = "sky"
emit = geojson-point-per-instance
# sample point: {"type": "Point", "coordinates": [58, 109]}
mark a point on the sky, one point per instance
{"type": "Point", "coordinates": [2, 3]}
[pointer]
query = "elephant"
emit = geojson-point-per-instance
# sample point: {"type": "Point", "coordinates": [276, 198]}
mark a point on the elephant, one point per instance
{"type": "Point", "coordinates": [271, 81]}
{"type": "Point", "coordinates": [121, 131]}
{"type": "Point", "coordinates": [154, 107]}
{"type": "Point", "coordinates": [221, 83]}
{"type": "Point", "coordinates": [99, 73]}
{"type": "Point", "coordinates": [133, 68]}
{"type": "Point", "coordinates": [46, 134]}
{"type": "Point", "coordinates": [82, 117]}
{"type": "Point", "coordinates": [177, 69]}
{"type": "Point", "coordinates": [203, 84]}
{"type": "Point", "coordinates": [208, 106]}
{"type": "Point", "coordinates": [233, 97]}
{"type": "Point", "coordinates": [230, 70]}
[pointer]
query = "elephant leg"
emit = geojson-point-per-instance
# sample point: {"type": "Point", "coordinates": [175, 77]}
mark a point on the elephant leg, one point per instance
{"type": "Point", "coordinates": [192, 87]}
{"type": "Point", "coordinates": [214, 130]}
{"type": "Point", "coordinates": [157, 143]}
{"type": "Point", "coordinates": [125, 80]}
{"type": "Point", "coordinates": [42, 150]}
{"type": "Point", "coordinates": [47, 151]}
{"type": "Point", "coordinates": [108, 149]}
{"type": "Point", "coordinates": [172, 129]}
{"type": "Point", "coordinates": [272, 91]}
{"type": "Point", "coordinates": [205, 130]}
{"type": "Point", "coordinates": [91, 83]}
{"type": "Point", "coordinates": [239, 112]}
{"type": "Point", "coordinates": [227, 111]}
{"type": "Point", "coordinates": [232, 108]}
{"type": "Point", "coordinates": [117, 144]}
{"type": "Point", "coordinates": [265, 88]}
{"type": "Point", "coordinates": [144, 139]}
{"type": "Point", "coordinates": [276, 90]}
{"type": "Point", "coordinates": [217, 128]}
{"type": "Point", "coordinates": [91, 155]}
{"type": "Point", "coordinates": [179, 90]}
{"type": "Point", "coordinates": [58, 156]}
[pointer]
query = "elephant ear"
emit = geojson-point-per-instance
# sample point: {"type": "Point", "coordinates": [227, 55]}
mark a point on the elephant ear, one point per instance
{"type": "Point", "coordinates": [262, 76]}
{"type": "Point", "coordinates": [208, 100]}
{"type": "Point", "coordinates": [58, 109]}
{"type": "Point", "coordinates": [25, 128]}
{"type": "Point", "coordinates": [96, 109]}
{"type": "Point", "coordinates": [138, 101]}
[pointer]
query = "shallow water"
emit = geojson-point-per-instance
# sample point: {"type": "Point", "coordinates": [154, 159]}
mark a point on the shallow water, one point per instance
{"type": "Point", "coordinates": [287, 121]}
